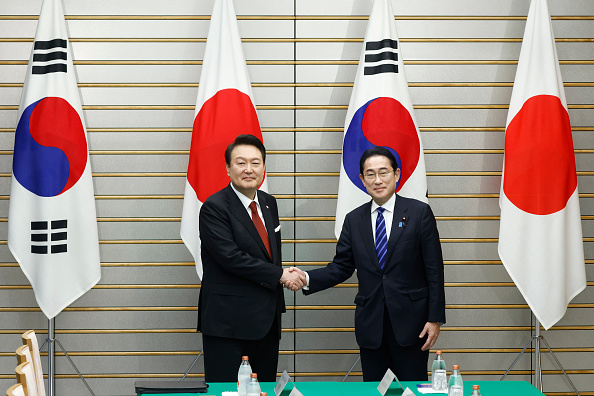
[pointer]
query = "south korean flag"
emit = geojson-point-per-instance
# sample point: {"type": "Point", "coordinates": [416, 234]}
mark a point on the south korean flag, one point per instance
{"type": "Point", "coordinates": [52, 224]}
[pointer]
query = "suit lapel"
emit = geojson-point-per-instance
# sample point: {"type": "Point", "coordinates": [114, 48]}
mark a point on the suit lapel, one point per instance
{"type": "Point", "coordinates": [269, 222]}
{"type": "Point", "coordinates": [400, 209]}
{"type": "Point", "coordinates": [237, 209]}
{"type": "Point", "coordinates": [366, 230]}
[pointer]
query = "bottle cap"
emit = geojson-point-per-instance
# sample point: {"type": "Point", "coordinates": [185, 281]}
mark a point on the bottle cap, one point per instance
{"type": "Point", "coordinates": [244, 358]}
{"type": "Point", "coordinates": [438, 352]}
{"type": "Point", "coordinates": [475, 387]}
{"type": "Point", "coordinates": [253, 375]}
{"type": "Point", "coordinates": [456, 367]}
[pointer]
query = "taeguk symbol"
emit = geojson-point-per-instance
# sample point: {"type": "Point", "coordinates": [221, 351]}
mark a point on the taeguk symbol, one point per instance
{"type": "Point", "coordinates": [50, 148]}
{"type": "Point", "coordinates": [383, 122]}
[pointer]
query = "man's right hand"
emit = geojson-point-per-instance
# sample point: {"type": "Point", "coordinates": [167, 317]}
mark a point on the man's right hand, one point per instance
{"type": "Point", "coordinates": [293, 278]}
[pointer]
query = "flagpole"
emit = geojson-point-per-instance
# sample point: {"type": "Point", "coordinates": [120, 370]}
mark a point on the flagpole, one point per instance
{"type": "Point", "coordinates": [51, 357]}
{"type": "Point", "coordinates": [537, 365]}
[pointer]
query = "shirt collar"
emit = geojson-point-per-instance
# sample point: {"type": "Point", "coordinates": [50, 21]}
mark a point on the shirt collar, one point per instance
{"type": "Point", "coordinates": [389, 206]}
{"type": "Point", "coordinates": [245, 201]}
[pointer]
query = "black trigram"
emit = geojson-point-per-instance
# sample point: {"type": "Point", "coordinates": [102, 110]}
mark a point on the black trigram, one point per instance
{"type": "Point", "coordinates": [381, 57]}
{"type": "Point", "coordinates": [43, 238]}
{"type": "Point", "coordinates": [50, 56]}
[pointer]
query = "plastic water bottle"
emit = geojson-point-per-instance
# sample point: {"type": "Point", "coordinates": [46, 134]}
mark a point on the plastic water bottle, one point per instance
{"type": "Point", "coordinates": [456, 388]}
{"type": "Point", "coordinates": [243, 376]}
{"type": "Point", "coordinates": [439, 378]}
{"type": "Point", "coordinates": [475, 391]}
{"type": "Point", "coordinates": [253, 387]}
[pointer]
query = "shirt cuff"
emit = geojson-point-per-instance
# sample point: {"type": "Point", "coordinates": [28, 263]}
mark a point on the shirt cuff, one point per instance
{"type": "Point", "coordinates": [306, 287]}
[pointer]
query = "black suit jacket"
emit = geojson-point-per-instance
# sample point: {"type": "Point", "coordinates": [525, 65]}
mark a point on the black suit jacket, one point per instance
{"type": "Point", "coordinates": [240, 293]}
{"type": "Point", "coordinates": [411, 284]}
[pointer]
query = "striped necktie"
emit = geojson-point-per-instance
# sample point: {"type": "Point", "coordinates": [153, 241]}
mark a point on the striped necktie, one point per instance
{"type": "Point", "coordinates": [381, 239]}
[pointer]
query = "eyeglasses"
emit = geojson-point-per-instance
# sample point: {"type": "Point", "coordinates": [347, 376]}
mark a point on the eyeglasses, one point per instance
{"type": "Point", "coordinates": [383, 175]}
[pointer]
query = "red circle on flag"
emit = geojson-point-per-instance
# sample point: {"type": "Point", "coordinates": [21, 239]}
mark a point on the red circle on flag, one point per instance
{"type": "Point", "coordinates": [388, 123]}
{"type": "Point", "coordinates": [225, 115]}
{"type": "Point", "coordinates": [55, 123]}
{"type": "Point", "coordinates": [539, 160]}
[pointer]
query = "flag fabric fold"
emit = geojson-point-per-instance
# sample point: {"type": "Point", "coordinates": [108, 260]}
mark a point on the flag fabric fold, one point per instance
{"type": "Point", "coordinates": [540, 236]}
{"type": "Point", "coordinates": [380, 113]}
{"type": "Point", "coordinates": [224, 109]}
{"type": "Point", "coordinates": [52, 223]}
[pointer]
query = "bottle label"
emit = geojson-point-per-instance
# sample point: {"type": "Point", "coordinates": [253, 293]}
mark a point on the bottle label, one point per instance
{"type": "Point", "coordinates": [439, 380]}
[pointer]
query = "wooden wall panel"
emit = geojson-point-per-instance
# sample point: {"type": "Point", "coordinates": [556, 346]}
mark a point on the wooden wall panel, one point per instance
{"type": "Point", "coordinates": [138, 64]}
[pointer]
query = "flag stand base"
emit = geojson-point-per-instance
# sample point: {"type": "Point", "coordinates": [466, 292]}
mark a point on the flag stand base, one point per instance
{"type": "Point", "coordinates": [51, 359]}
{"type": "Point", "coordinates": [351, 369]}
{"type": "Point", "coordinates": [537, 339]}
{"type": "Point", "coordinates": [192, 365]}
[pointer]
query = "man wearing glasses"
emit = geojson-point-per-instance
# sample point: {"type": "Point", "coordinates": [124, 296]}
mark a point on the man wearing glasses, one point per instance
{"type": "Point", "coordinates": [393, 243]}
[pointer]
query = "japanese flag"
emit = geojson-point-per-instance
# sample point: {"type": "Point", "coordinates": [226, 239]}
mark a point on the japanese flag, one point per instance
{"type": "Point", "coordinates": [224, 109]}
{"type": "Point", "coordinates": [540, 235]}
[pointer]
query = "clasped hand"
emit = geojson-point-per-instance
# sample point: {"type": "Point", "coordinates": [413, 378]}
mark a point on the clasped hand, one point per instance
{"type": "Point", "coordinates": [293, 278]}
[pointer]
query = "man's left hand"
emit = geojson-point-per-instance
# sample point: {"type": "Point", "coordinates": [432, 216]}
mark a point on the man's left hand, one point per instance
{"type": "Point", "coordinates": [432, 331]}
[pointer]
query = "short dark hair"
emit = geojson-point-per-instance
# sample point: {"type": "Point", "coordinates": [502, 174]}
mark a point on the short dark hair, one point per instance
{"type": "Point", "coordinates": [377, 150]}
{"type": "Point", "coordinates": [245, 140]}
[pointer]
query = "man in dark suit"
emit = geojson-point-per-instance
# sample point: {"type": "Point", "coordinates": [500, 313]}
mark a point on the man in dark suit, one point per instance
{"type": "Point", "coordinates": [241, 296]}
{"type": "Point", "coordinates": [393, 243]}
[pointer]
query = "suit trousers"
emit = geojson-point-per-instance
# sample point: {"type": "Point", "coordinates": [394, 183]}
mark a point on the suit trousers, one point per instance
{"type": "Point", "coordinates": [222, 356]}
{"type": "Point", "coordinates": [408, 363]}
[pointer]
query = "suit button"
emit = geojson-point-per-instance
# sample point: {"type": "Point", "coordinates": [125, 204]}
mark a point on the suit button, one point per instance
{"type": "Point", "coordinates": [381, 299]}
{"type": "Point", "coordinates": [384, 277]}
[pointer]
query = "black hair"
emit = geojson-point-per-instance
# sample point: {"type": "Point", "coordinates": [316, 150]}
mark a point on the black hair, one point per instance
{"type": "Point", "coordinates": [245, 140]}
{"type": "Point", "coordinates": [377, 150]}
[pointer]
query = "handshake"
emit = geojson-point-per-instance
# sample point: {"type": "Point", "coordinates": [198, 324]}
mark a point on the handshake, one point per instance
{"type": "Point", "coordinates": [293, 278]}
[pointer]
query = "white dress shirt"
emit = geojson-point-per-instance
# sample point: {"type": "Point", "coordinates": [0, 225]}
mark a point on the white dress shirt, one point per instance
{"type": "Point", "coordinates": [388, 215]}
{"type": "Point", "coordinates": [245, 201]}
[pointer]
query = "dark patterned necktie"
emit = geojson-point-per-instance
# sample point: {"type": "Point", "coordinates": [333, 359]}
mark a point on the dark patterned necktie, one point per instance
{"type": "Point", "coordinates": [381, 239]}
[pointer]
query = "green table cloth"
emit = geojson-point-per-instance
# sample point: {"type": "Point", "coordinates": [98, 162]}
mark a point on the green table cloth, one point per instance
{"type": "Point", "coordinates": [487, 388]}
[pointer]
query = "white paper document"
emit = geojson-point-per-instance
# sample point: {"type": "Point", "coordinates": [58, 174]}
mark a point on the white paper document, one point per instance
{"type": "Point", "coordinates": [427, 389]}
